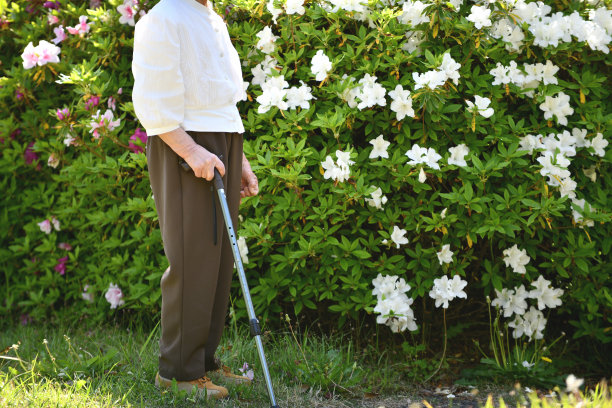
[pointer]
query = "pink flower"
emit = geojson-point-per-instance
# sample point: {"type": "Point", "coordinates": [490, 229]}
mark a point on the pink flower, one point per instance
{"type": "Point", "coordinates": [52, 19]}
{"type": "Point", "coordinates": [119, 91]}
{"type": "Point", "coordinates": [61, 265]}
{"type": "Point", "coordinates": [92, 101]}
{"type": "Point", "coordinates": [29, 155]}
{"type": "Point", "coordinates": [139, 135]}
{"type": "Point", "coordinates": [114, 296]}
{"type": "Point", "coordinates": [249, 374]}
{"type": "Point", "coordinates": [103, 122]}
{"type": "Point", "coordinates": [80, 28]}
{"type": "Point", "coordinates": [47, 52]}
{"type": "Point", "coordinates": [65, 246]}
{"type": "Point", "coordinates": [60, 34]}
{"type": "Point", "coordinates": [43, 53]}
{"type": "Point", "coordinates": [83, 27]}
{"type": "Point", "coordinates": [45, 226]}
{"type": "Point", "coordinates": [62, 113]}
{"type": "Point", "coordinates": [111, 103]}
{"type": "Point", "coordinates": [25, 319]}
{"type": "Point", "coordinates": [127, 11]}
{"type": "Point", "coordinates": [86, 295]}
{"type": "Point", "coordinates": [30, 57]}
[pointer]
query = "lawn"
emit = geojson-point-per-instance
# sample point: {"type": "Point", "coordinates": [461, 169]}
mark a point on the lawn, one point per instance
{"type": "Point", "coordinates": [64, 364]}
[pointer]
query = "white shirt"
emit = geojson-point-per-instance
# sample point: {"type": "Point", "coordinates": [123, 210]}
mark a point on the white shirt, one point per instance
{"type": "Point", "coordinates": [186, 71]}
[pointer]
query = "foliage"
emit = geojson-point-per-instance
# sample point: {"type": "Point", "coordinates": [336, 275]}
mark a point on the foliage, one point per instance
{"type": "Point", "coordinates": [315, 244]}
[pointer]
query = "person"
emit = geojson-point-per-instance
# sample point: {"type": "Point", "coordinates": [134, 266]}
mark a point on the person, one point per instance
{"type": "Point", "coordinates": [187, 82]}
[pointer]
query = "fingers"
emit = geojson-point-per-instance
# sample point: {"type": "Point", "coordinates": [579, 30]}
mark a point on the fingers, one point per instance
{"type": "Point", "coordinates": [219, 165]}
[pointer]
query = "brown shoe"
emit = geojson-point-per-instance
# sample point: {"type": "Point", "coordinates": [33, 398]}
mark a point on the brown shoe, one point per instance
{"type": "Point", "coordinates": [204, 386]}
{"type": "Point", "coordinates": [224, 374]}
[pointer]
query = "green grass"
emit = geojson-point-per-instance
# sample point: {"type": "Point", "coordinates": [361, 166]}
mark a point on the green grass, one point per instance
{"type": "Point", "coordinates": [111, 366]}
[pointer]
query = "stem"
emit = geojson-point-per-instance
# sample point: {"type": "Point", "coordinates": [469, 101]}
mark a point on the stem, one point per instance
{"type": "Point", "coordinates": [443, 352]}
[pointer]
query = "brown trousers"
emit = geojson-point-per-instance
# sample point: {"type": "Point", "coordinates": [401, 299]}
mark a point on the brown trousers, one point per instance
{"type": "Point", "coordinates": [195, 287]}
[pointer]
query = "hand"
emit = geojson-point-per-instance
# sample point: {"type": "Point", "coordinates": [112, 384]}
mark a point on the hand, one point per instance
{"type": "Point", "coordinates": [249, 186]}
{"type": "Point", "coordinates": [203, 162]}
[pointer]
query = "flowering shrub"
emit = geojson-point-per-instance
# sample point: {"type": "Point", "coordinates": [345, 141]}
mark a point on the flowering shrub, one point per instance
{"type": "Point", "coordinates": [439, 151]}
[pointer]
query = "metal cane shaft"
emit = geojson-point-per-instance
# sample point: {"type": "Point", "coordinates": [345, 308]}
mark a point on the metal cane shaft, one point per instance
{"type": "Point", "coordinates": [243, 283]}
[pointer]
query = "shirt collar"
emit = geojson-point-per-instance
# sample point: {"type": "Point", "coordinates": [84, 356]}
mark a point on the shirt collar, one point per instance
{"type": "Point", "coordinates": [208, 8]}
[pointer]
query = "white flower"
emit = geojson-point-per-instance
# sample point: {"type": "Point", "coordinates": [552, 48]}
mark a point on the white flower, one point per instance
{"type": "Point", "coordinates": [295, 7]}
{"type": "Point", "coordinates": [450, 68]}
{"type": "Point", "coordinates": [273, 10]}
{"type": "Point", "coordinates": [393, 303]}
{"type": "Point", "coordinates": [397, 236]}
{"type": "Point", "coordinates": [443, 213]}
{"type": "Point", "coordinates": [503, 299]}
{"type": "Point", "coordinates": [445, 290]}
{"type": "Point", "coordinates": [266, 40]}
{"type": "Point", "coordinates": [516, 258]}
{"type": "Point", "coordinates": [274, 93]}
{"type": "Point", "coordinates": [371, 93]}
{"type": "Point", "coordinates": [458, 154]}
{"type": "Point", "coordinates": [378, 199]}
{"type": "Point", "coordinates": [527, 364]}
{"type": "Point", "coordinates": [262, 71]}
{"type": "Point", "coordinates": [423, 155]}
{"type": "Point", "coordinates": [320, 65]}
{"type": "Point", "coordinates": [87, 295]}
{"type": "Point", "coordinates": [413, 13]}
{"type": "Point", "coordinates": [445, 255]}
{"type": "Point", "coordinates": [545, 295]}
{"type": "Point", "coordinates": [557, 106]}
{"type": "Point", "coordinates": [422, 175]}
{"type": "Point", "coordinates": [580, 136]}
{"type": "Point", "coordinates": [380, 148]}
{"type": "Point", "coordinates": [598, 143]}
{"type": "Point", "coordinates": [339, 171]}
{"type": "Point", "coordinates": [299, 96]}
{"type": "Point", "coordinates": [55, 222]}
{"type": "Point", "coordinates": [578, 216]}
{"type": "Point", "coordinates": [482, 106]}
{"type": "Point", "coordinates": [573, 383]}
{"type": "Point", "coordinates": [244, 250]}
{"type": "Point", "coordinates": [530, 143]}
{"type": "Point", "coordinates": [114, 296]}
{"type": "Point", "coordinates": [480, 17]}
{"type": "Point", "coordinates": [401, 102]}
{"type": "Point", "coordinates": [531, 324]}
{"type": "Point", "coordinates": [68, 139]}
{"type": "Point", "coordinates": [53, 160]}
{"type": "Point", "coordinates": [429, 79]}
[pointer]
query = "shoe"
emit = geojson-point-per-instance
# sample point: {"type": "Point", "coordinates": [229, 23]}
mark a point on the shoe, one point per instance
{"type": "Point", "coordinates": [224, 374]}
{"type": "Point", "coordinates": [204, 385]}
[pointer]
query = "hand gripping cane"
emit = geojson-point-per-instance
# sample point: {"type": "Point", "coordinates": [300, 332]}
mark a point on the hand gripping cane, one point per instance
{"type": "Point", "coordinates": [253, 322]}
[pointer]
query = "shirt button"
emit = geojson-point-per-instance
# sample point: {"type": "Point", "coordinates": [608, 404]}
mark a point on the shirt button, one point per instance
{"type": "Point", "coordinates": [216, 29]}
{"type": "Point", "coordinates": [221, 55]}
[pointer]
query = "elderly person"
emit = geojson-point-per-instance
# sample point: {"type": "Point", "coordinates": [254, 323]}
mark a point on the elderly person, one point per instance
{"type": "Point", "coordinates": [187, 81]}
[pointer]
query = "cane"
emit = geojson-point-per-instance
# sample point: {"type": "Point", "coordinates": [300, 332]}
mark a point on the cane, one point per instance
{"type": "Point", "coordinates": [253, 322]}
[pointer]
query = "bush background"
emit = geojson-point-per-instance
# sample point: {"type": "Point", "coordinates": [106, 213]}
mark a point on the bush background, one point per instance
{"type": "Point", "coordinates": [314, 245]}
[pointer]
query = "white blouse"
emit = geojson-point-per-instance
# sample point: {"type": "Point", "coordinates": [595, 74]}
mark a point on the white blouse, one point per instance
{"type": "Point", "coordinates": [186, 71]}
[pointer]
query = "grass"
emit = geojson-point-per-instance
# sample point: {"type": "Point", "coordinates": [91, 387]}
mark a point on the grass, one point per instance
{"type": "Point", "coordinates": [64, 365]}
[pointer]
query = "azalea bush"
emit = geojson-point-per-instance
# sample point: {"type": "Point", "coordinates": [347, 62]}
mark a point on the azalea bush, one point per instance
{"type": "Point", "coordinates": [414, 158]}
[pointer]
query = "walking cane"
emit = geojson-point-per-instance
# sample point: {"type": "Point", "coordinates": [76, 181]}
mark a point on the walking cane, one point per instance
{"type": "Point", "coordinates": [253, 322]}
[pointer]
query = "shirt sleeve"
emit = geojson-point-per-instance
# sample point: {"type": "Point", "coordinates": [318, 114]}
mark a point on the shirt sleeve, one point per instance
{"type": "Point", "coordinates": [158, 92]}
